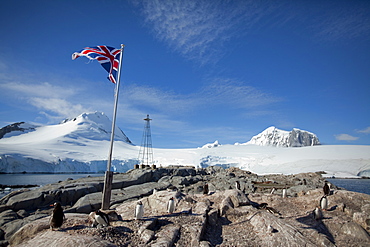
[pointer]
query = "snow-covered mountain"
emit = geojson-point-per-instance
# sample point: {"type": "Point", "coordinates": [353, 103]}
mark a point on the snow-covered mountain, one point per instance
{"type": "Point", "coordinates": [95, 126]}
{"type": "Point", "coordinates": [273, 136]}
{"type": "Point", "coordinates": [75, 145]}
{"type": "Point", "coordinates": [81, 144]}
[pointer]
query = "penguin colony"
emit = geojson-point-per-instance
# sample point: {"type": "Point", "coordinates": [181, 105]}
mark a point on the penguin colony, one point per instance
{"type": "Point", "coordinates": [100, 219]}
{"type": "Point", "coordinates": [323, 204]}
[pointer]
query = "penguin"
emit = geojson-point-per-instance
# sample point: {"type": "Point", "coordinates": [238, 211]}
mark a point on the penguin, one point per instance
{"type": "Point", "coordinates": [57, 217]}
{"type": "Point", "coordinates": [273, 190]}
{"type": "Point", "coordinates": [139, 210]}
{"type": "Point", "coordinates": [237, 185]}
{"type": "Point", "coordinates": [326, 189]}
{"type": "Point", "coordinates": [270, 229]}
{"type": "Point", "coordinates": [91, 219]}
{"type": "Point", "coordinates": [317, 214]}
{"type": "Point", "coordinates": [154, 191]}
{"type": "Point", "coordinates": [171, 205]}
{"type": "Point", "coordinates": [101, 219]}
{"type": "Point", "coordinates": [272, 210]}
{"type": "Point", "coordinates": [324, 203]}
{"type": "Point", "coordinates": [205, 189]}
{"type": "Point", "coordinates": [284, 193]}
{"type": "Point", "coordinates": [263, 205]}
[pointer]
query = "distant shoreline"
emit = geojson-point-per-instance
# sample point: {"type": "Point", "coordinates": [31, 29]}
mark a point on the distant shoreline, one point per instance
{"type": "Point", "coordinates": [18, 186]}
{"type": "Point", "coordinates": [51, 173]}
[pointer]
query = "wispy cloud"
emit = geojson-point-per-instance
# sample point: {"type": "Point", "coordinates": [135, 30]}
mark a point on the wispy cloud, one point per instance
{"type": "Point", "coordinates": [347, 21]}
{"type": "Point", "coordinates": [43, 89]}
{"type": "Point", "coordinates": [236, 94]}
{"type": "Point", "coordinates": [345, 137]}
{"type": "Point", "coordinates": [229, 93]}
{"type": "Point", "coordinates": [158, 100]}
{"type": "Point", "coordinates": [53, 101]}
{"type": "Point", "coordinates": [364, 131]}
{"type": "Point", "coordinates": [199, 29]}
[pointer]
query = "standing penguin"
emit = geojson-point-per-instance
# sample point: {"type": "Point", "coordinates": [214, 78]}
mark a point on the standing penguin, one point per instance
{"type": "Point", "coordinates": [139, 210]}
{"type": "Point", "coordinates": [171, 205]}
{"type": "Point", "coordinates": [101, 219]}
{"type": "Point", "coordinates": [284, 193]}
{"type": "Point", "coordinates": [324, 203]}
{"type": "Point", "coordinates": [57, 217]}
{"type": "Point", "coordinates": [273, 190]}
{"type": "Point", "coordinates": [326, 189]}
{"type": "Point", "coordinates": [317, 214]}
{"type": "Point", "coordinates": [205, 189]}
{"type": "Point", "coordinates": [237, 185]}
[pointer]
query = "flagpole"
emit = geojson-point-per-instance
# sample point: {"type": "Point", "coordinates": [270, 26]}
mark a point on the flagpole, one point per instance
{"type": "Point", "coordinates": [109, 174]}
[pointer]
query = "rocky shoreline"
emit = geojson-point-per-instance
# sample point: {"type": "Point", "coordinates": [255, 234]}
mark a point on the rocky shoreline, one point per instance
{"type": "Point", "coordinates": [226, 216]}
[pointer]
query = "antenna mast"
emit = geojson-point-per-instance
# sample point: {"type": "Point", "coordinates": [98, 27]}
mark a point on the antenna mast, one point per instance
{"type": "Point", "coordinates": [146, 151]}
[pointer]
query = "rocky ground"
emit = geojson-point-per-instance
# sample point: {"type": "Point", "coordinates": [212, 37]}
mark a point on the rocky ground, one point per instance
{"type": "Point", "coordinates": [226, 216]}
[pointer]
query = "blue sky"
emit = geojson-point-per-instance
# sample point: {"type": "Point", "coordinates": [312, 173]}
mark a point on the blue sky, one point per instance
{"type": "Point", "coordinates": [203, 70]}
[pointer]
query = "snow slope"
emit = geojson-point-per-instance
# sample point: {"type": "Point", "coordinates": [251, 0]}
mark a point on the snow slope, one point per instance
{"type": "Point", "coordinates": [81, 145]}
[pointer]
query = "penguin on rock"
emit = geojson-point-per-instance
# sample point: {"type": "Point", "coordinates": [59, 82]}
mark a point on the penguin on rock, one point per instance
{"type": "Point", "coordinates": [101, 219]}
{"type": "Point", "coordinates": [284, 193]}
{"type": "Point", "coordinates": [171, 205]}
{"type": "Point", "coordinates": [139, 210]}
{"type": "Point", "coordinates": [326, 189]}
{"type": "Point", "coordinates": [205, 189]}
{"type": "Point", "coordinates": [57, 217]}
{"type": "Point", "coordinates": [237, 185]}
{"type": "Point", "coordinates": [272, 190]}
{"type": "Point", "coordinates": [317, 214]}
{"type": "Point", "coordinates": [324, 203]}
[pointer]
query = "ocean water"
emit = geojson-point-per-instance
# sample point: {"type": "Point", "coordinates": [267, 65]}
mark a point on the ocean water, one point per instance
{"type": "Point", "coordinates": [41, 179]}
{"type": "Point", "coordinates": [38, 179]}
{"type": "Point", "coordinates": [356, 185]}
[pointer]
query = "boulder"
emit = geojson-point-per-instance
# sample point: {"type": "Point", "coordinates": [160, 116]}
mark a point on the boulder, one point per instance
{"type": "Point", "coordinates": [11, 227]}
{"type": "Point", "coordinates": [167, 236]}
{"type": "Point", "coordinates": [27, 200]}
{"type": "Point", "coordinates": [356, 231]}
{"type": "Point", "coordinates": [7, 216]}
{"type": "Point", "coordinates": [237, 197]}
{"type": "Point", "coordinates": [362, 219]}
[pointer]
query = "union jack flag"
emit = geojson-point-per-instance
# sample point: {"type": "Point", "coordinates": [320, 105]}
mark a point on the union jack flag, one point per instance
{"type": "Point", "coordinates": [107, 56]}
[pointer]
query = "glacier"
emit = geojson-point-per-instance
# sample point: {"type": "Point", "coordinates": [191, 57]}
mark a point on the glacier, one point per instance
{"type": "Point", "coordinates": [81, 144]}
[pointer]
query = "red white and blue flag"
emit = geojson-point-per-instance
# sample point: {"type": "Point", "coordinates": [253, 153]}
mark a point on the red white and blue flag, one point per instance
{"type": "Point", "coordinates": [107, 56]}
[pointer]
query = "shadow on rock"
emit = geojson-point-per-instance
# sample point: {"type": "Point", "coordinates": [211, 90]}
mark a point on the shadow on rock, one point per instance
{"type": "Point", "coordinates": [213, 233]}
{"type": "Point", "coordinates": [317, 225]}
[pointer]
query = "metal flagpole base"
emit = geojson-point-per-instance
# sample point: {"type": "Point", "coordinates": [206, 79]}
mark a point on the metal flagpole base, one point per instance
{"type": "Point", "coordinates": [107, 190]}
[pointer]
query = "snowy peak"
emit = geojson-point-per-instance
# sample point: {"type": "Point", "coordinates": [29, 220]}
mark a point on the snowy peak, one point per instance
{"type": "Point", "coordinates": [91, 126]}
{"type": "Point", "coordinates": [273, 136]}
{"type": "Point", "coordinates": [211, 145]}
{"type": "Point", "coordinates": [95, 125]}
{"type": "Point", "coordinates": [16, 129]}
